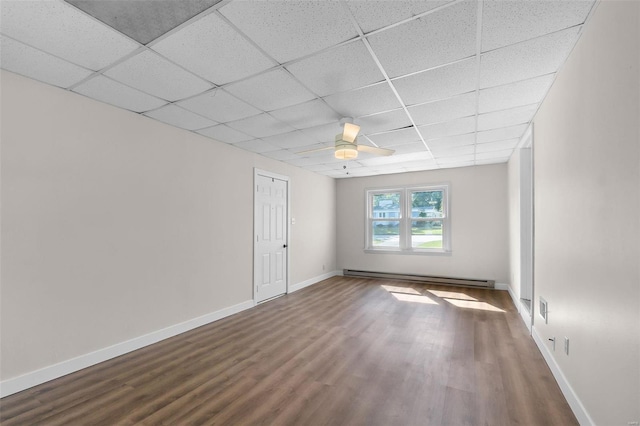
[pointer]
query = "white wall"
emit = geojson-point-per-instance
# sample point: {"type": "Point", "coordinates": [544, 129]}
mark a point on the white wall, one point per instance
{"type": "Point", "coordinates": [587, 215]}
{"type": "Point", "coordinates": [479, 215]}
{"type": "Point", "coordinates": [115, 225]}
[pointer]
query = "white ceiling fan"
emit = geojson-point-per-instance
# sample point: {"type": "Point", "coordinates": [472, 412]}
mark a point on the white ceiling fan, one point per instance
{"type": "Point", "coordinates": [346, 145]}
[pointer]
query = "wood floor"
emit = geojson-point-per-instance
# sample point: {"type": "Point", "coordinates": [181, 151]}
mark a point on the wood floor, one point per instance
{"type": "Point", "coordinates": [347, 351]}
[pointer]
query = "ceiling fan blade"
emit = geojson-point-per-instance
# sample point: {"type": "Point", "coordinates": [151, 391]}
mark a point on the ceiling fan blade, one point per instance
{"type": "Point", "coordinates": [316, 150]}
{"type": "Point", "coordinates": [350, 132]}
{"type": "Point", "coordinates": [374, 150]}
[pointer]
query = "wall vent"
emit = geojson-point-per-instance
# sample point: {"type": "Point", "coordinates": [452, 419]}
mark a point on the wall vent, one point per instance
{"type": "Point", "coordinates": [464, 282]}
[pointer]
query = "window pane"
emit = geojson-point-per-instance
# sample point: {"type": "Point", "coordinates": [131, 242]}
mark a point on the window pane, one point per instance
{"type": "Point", "coordinates": [385, 233]}
{"type": "Point", "coordinates": [426, 234]}
{"type": "Point", "coordinates": [386, 205]}
{"type": "Point", "coordinates": [426, 204]}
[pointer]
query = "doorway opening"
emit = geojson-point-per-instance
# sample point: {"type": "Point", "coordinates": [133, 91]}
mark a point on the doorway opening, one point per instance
{"type": "Point", "coordinates": [526, 229]}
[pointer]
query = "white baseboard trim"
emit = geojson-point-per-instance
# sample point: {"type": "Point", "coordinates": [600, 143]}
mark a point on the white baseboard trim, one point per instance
{"type": "Point", "coordinates": [501, 286]}
{"type": "Point", "coordinates": [525, 314]}
{"type": "Point", "coordinates": [574, 402]}
{"type": "Point", "coordinates": [314, 280]}
{"type": "Point", "coordinates": [516, 301]}
{"type": "Point", "coordinates": [34, 378]}
{"type": "Point", "coordinates": [523, 311]}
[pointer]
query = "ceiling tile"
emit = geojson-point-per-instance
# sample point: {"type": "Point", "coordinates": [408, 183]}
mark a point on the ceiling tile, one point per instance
{"type": "Point", "coordinates": [337, 70]}
{"type": "Point", "coordinates": [502, 134]}
{"type": "Point", "coordinates": [493, 154]}
{"type": "Point", "coordinates": [224, 133]}
{"type": "Point", "coordinates": [319, 168]}
{"type": "Point", "coordinates": [220, 106]}
{"type": "Point", "coordinates": [256, 145]}
{"type": "Point", "coordinates": [396, 137]}
{"type": "Point", "coordinates": [515, 94]}
{"type": "Point", "coordinates": [289, 30]}
{"type": "Point", "coordinates": [180, 117]}
{"type": "Point", "coordinates": [492, 161]}
{"type": "Point", "coordinates": [431, 61]}
{"type": "Point", "coordinates": [416, 166]}
{"type": "Point", "coordinates": [508, 117]}
{"type": "Point", "coordinates": [400, 158]}
{"type": "Point", "coordinates": [327, 158]}
{"type": "Point", "coordinates": [529, 59]}
{"type": "Point", "coordinates": [455, 164]}
{"type": "Point", "coordinates": [315, 150]}
{"type": "Point", "coordinates": [383, 122]}
{"type": "Point", "coordinates": [62, 30]}
{"type": "Point", "coordinates": [452, 151]}
{"type": "Point", "coordinates": [323, 133]}
{"type": "Point", "coordinates": [271, 90]}
{"type": "Point", "coordinates": [212, 49]}
{"type": "Point", "coordinates": [383, 169]}
{"type": "Point", "coordinates": [449, 128]}
{"type": "Point", "coordinates": [361, 172]}
{"type": "Point", "coordinates": [456, 161]}
{"type": "Point", "coordinates": [334, 174]}
{"type": "Point", "coordinates": [408, 148]}
{"type": "Point", "coordinates": [508, 22]}
{"type": "Point", "coordinates": [143, 20]}
{"type": "Point", "coordinates": [445, 36]}
{"type": "Point", "coordinates": [155, 75]}
{"type": "Point", "coordinates": [459, 140]}
{"type": "Point", "coordinates": [33, 63]}
{"type": "Point", "coordinates": [372, 15]}
{"type": "Point", "coordinates": [291, 140]}
{"type": "Point", "coordinates": [281, 155]}
{"type": "Point", "coordinates": [308, 114]}
{"type": "Point", "coordinates": [261, 126]}
{"type": "Point", "coordinates": [368, 100]}
{"type": "Point", "coordinates": [509, 144]}
{"type": "Point", "coordinates": [438, 83]}
{"type": "Point", "coordinates": [350, 165]}
{"type": "Point", "coordinates": [106, 90]}
{"type": "Point", "coordinates": [446, 110]}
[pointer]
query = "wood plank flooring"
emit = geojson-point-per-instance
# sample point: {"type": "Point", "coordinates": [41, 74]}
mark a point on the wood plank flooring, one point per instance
{"type": "Point", "coordinates": [346, 351]}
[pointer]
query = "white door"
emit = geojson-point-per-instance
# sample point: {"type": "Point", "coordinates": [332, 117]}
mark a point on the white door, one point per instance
{"type": "Point", "coordinates": [270, 239]}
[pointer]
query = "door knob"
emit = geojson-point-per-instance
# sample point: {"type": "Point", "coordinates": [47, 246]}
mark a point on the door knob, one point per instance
{"type": "Point", "coordinates": [284, 246]}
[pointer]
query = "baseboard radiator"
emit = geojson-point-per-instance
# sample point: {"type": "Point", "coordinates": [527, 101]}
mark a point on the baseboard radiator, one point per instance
{"type": "Point", "coordinates": [421, 278]}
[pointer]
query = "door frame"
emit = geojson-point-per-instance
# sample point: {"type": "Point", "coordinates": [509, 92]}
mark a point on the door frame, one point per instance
{"type": "Point", "coordinates": [259, 172]}
{"type": "Point", "coordinates": [527, 231]}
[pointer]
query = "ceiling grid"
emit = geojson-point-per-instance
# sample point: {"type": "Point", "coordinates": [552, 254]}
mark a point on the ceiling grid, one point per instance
{"type": "Point", "coordinates": [478, 70]}
{"type": "Point", "coordinates": [442, 83]}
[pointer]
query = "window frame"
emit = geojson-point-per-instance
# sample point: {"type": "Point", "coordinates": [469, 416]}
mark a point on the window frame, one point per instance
{"type": "Point", "coordinates": [405, 220]}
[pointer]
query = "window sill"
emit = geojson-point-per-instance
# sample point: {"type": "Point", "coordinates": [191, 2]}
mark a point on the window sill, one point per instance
{"type": "Point", "coordinates": [409, 252]}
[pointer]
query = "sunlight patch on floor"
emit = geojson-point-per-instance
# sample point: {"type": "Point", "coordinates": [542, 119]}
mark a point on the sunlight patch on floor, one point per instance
{"type": "Point", "coordinates": [456, 298]}
{"type": "Point", "coordinates": [416, 298]}
{"type": "Point", "coordinates": [451, 295]}
{"type": "Point", "coordinates": [396, 289]}
{"type": "Point", "coordinates": [474, 304]}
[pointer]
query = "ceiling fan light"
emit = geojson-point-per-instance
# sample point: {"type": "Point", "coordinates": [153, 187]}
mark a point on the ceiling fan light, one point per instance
{"type": "Point", "coordinates": [346, 153]}
{"type": "Point", "coordinates": [350, 132]}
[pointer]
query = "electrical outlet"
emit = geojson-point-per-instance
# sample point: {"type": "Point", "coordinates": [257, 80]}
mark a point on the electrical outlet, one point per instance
{"type": "Point", "coordinates": [566, 345]}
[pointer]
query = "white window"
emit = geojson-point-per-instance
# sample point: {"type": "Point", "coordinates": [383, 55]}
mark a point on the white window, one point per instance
{"type": "Point", "coordinates": [409, 220]}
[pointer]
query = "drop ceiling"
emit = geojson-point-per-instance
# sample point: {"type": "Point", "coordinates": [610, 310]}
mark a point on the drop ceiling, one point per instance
{"type": "Point", "coordinates": [443, 83]}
